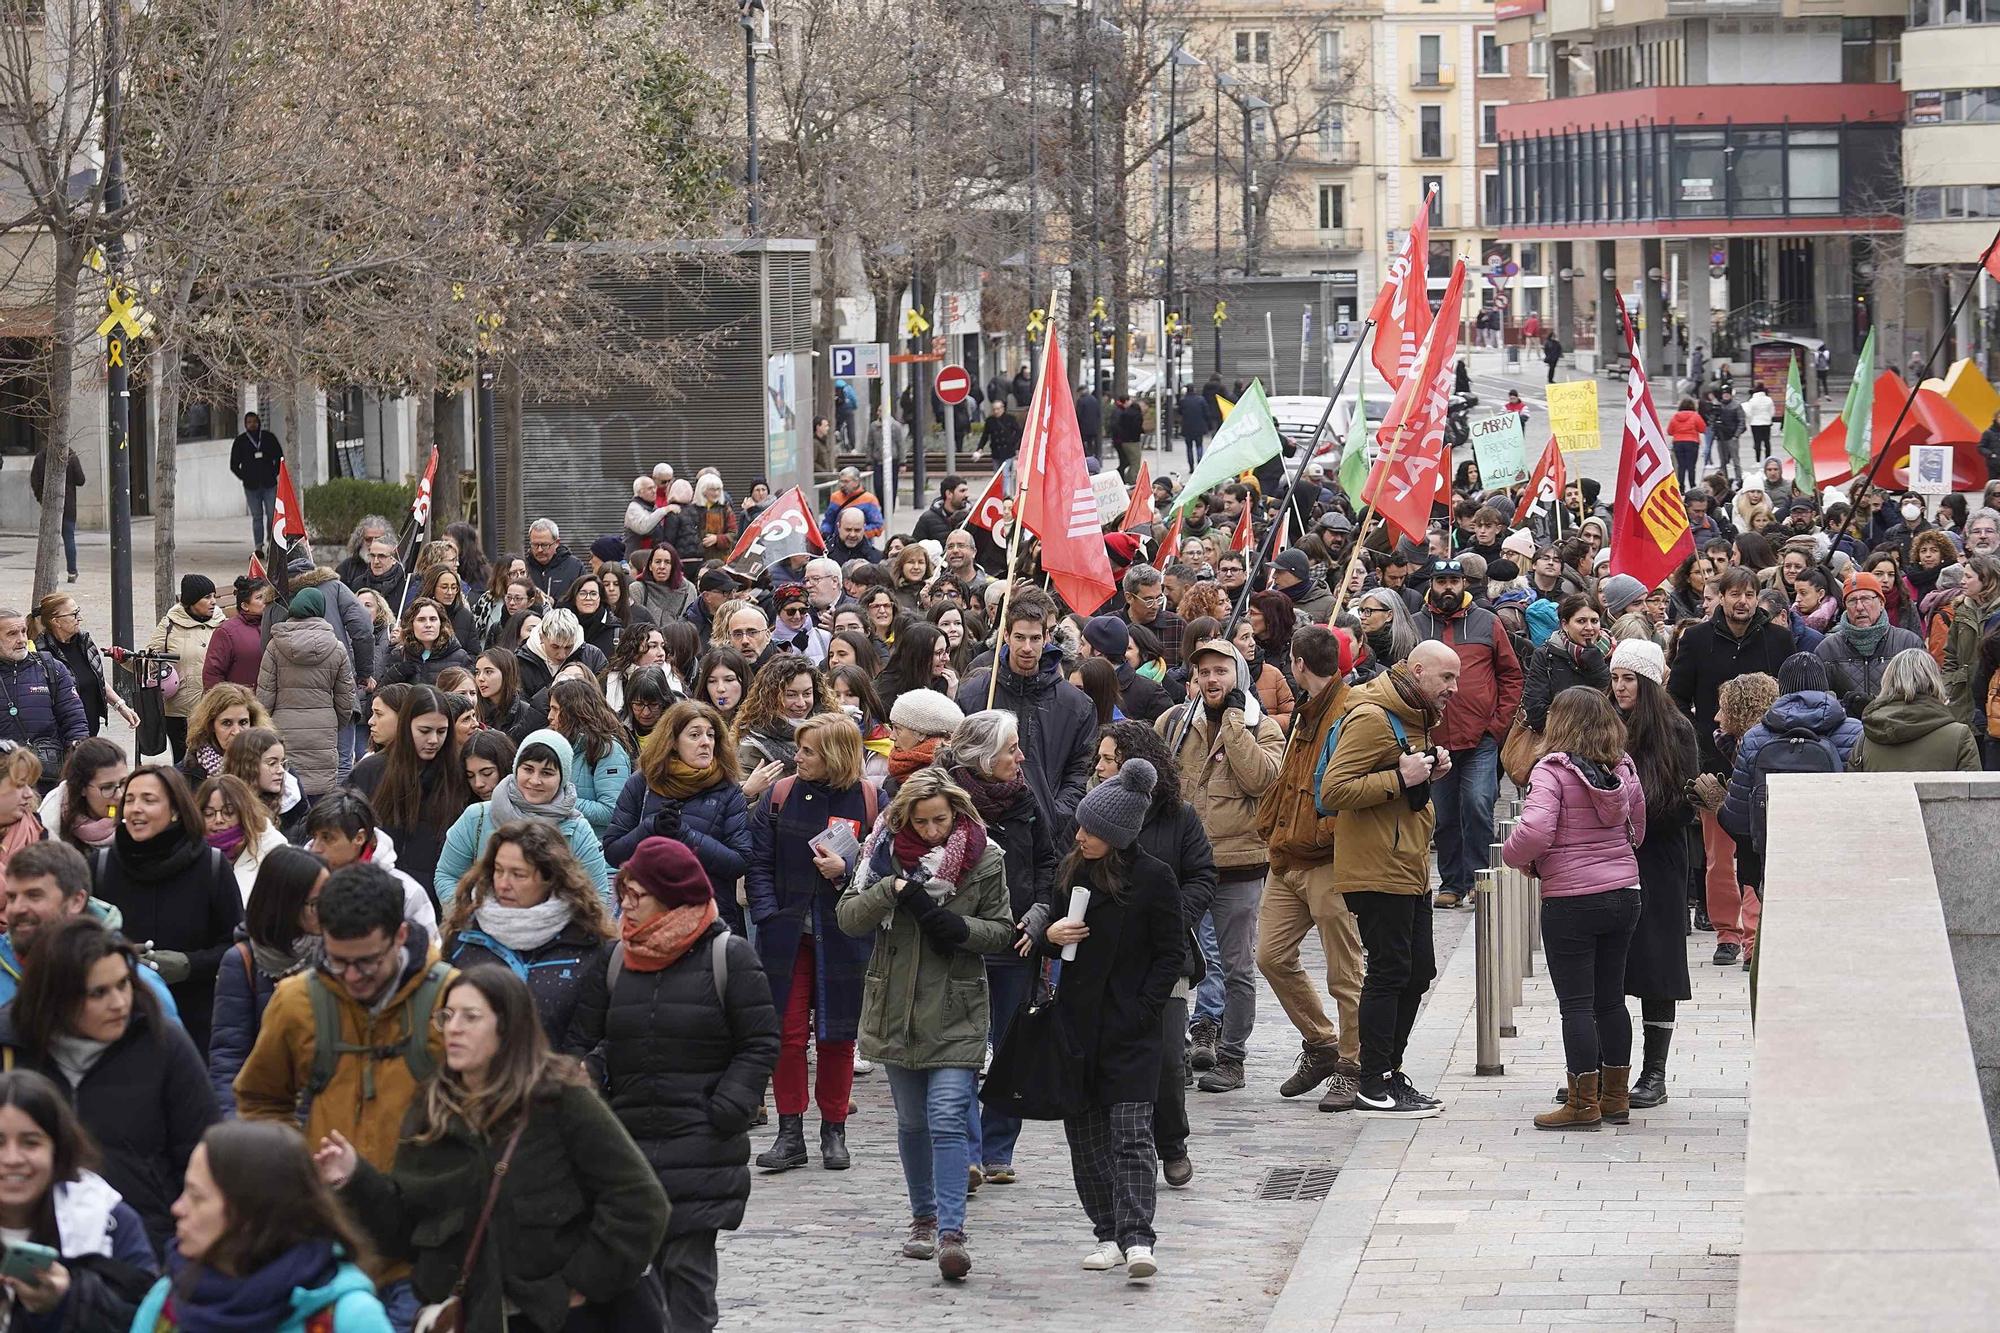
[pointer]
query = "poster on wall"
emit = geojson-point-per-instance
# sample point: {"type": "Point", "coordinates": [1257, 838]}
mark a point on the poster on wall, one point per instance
{"type": "Point", "coordinates": [785, 463]}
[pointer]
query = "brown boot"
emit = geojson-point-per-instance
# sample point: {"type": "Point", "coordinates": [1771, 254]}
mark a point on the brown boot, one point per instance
{"type": "Point", "coordinates": [1615, 1099]}
{"type": "Point", "coordinates": [1580, 1111]}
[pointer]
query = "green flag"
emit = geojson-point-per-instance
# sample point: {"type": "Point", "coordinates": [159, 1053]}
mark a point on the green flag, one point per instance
{"type": "Point", "coordinates": [1859, 409]}
{"type": "Point", "coordinates": [1797, 440]}
{"type": "Point", "coordinates": [1248, 438]}
{"type": "Point", "coordinates": [1354, 456]}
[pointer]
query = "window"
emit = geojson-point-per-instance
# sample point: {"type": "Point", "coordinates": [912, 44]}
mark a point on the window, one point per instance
{"type": "Point", "coordinates": [1489, 198]}
{"type": "Point", "coordinates": [1813, 171]}
{"type": "Point", "coordinates": [1430, 58]}
{"type": "Point", "coordinates": [208, 403]}
{"type": "Point", "coordinates": [1332, 134]}
{"type": "Point", "coordinates": [1253, 47]}
{"type": "Point", "coordinates": [1868, 48]}
{"type": "Point", "coordinates": [1489, 122]}
{"type": "Point", "coordinates": [1437, 215]}
{"type": "Point", "coordinates": [1329, 54]}
{"type": "Point", "coordinates": [1538, 57]}
{"type": "Point", "coordinates": [1955, 106]}
{"type": "Point", "coordinates": [1492, 55]}
{"type": "Point", "coordinates": [1946, 203]}
{"type": "Point", "coordinates": [1332, 207]}
{"type": "Point", "coordinates": [1924, 13]}
{"type": "Point", "coordinates": [1430, 131]}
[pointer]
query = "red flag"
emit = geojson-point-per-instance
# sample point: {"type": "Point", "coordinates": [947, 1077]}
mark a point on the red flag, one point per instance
{"type": "Point", "coordinates": [1649, 522]}
{"type": "Point", "coordinates": [1545, 487]}
{"type": "Point", "coordinates": [420, 508]}
{"type": "Point", "coordinates": [1402, 309]}
{"type": "Point", "coordinates": [1284, 537]}
{"type": "Point", "coordinates": [1140, 508]}
{"type": "Point", "coordinates": [1406, 478]}
{"type": "Point", "coordinates": [1244, 538]}
{"type": "Point", "coordinates": [1990, 261]}
{"type": "Point", "coordinates": [1059, 506]}
{"type": "Point", "coordinates": [991, 506]}
{"type": "Point", "coordinates": [257, 568]}
{"type": "Point", "coordinates": [1170, 545]}
{"type": "Point", "coordinates": [288, 516]}
{"type": "Point", "coordinates": [785, 529]}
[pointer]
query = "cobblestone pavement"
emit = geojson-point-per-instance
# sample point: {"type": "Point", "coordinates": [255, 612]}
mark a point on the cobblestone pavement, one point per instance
{"type": "Point", "coordinates": [820, 1250]}
{"type": "Point", "coordinates": [1478, 1219]}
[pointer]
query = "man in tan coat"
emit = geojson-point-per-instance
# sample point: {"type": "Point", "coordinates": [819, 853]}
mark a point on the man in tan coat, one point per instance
{"type": "Point", "coordinates": [1300, 893]}
{"type": "Point", "coordinates": [1228, 753]}
{"type": "Point", "coordinates": [1378, 779]}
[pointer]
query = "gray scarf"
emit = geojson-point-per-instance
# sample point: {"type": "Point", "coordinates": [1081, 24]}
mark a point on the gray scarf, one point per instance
{"type": "Point", "coordinates": [76, 1056]}
{"type": "Point", "coordinates": [523, 929]}
{"type": "Point", "coordinates": [507, 807]}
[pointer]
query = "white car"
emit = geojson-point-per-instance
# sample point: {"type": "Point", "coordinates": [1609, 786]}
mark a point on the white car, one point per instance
{"type": "Point", "coordinates": [1296, 417]}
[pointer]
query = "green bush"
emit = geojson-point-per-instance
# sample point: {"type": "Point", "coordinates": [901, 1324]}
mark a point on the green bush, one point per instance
{"type": "Point", "coordinates": [334, 508]}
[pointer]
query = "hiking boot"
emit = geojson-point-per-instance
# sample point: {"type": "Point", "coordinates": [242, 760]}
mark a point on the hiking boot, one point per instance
{"type": "Point", "coordinates": [1340, 1089]}
{"type": "Point", "coordinates": [1178, 1171]}
{"type": "Point", "coordinates": [1316, 1066]}
{"type": "Point", "coordinates": [789, 1148]}
{"type": "Point", "coordinates": [1727, 954]}
{"type": "Point", "coordinates": [1650, 1089]}
{"type": "Point", "coordinates": [1383, 1099]}
{"type": "Point", "coordinates": [832, 1147]}
{"type": "Point", "coordinates": [1201, 1043]}
{"type": "Point", "coordinates": [1227, 1076]}
{"type": "Point", "coordinates": [954, 1261]}
{"type": "Point", "coordinates": [1614, 1098]}
{"type": "Point", "coordinates": [923, 1241]}
{"type": "Point", "coordinates": [1579, 1110]}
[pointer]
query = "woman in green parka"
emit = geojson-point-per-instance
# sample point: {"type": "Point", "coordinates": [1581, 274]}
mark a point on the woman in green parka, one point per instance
{"type": "Point", "coordinates": [1908, 727]}
{"type": "Point", "coordinates": [933, 891]}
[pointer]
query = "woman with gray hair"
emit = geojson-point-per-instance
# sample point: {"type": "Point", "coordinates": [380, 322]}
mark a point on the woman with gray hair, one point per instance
{"type": "Point", "coordinates": [557, 643]}
{"type": "Point", "coordinates": [1386, 627]}
{"type": "Point", "coordinates": [1908, 727]}
{"type": "Point", "coordinates": [984, 756]}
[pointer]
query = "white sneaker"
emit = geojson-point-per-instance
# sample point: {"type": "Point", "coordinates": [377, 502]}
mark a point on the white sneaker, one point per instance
{"type": "Point", "coordinates": [1105, 1257]}
{"type": "Point", "coordinates": [1139, 1263]}
{"type": "Point", "coordinates": [862, 1066]}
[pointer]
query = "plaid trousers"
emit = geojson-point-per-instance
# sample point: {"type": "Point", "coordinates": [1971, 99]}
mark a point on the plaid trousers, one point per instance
{"type": "Point", "coordinates": [1111, 1155]}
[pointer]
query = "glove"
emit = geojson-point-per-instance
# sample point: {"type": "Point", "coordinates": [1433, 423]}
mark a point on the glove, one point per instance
{"type": "Point", "coordinates": [172, 967]}
{"type": "Point", "coordinates": [1233, 699]}
{"type": "Point", "coordinates": [944, 929]}
{"type": "Point", "coordinates": [667, 820]}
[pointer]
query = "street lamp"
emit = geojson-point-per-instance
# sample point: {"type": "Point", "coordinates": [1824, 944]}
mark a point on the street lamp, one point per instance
{"type": "Point", "coordinates": [1249, 103]}
{"type": "Point", "coordinates": [1223, 79]}
{"type": "Point", "coordinates": [1103, 27]}
{"type": "Point", "coordinates": [1177, 60]}
{"type": "Point", "coordinates": [756, 23]}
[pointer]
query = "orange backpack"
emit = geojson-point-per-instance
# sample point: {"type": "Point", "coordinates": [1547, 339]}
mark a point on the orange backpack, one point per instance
{"type": "Point", "coordinates": [1993, 706]}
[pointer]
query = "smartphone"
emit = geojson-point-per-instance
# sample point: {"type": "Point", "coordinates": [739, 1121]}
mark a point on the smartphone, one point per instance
{"type": "Point", "coordinates": [25, 1260]}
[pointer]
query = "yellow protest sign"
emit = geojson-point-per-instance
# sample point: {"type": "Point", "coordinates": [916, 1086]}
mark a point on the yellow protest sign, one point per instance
{"type": "Point", "coordinates": [1573, 415]}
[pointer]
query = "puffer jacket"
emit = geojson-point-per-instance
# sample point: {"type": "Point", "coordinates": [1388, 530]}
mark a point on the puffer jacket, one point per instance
{"type": "Point", "coordinates": [416, 666]}
{"type": "Point", "coordinates": [243, 990]}
{"type": "Point", "coordinates": [1384, 845]}
{"type": "Point", "coordinates": [1808, 710]}
{"type": "Point", "coordinates": [554, 970]}
{"type": "Point", "coordinates": [1913, 736]}
{"type": "Point", "coordinates": [684, 1074]}
{"type": "Point", "coordinates": [714, 825]}
{"type": "Point", "coordinates": [1058, 730]}
{"type": "Point", "coordinates": [186, 638]}
{"type": "Point", "coordinates": [600, 785]}
{"type": "Point", "coordinates": [1854, 677]}
{"type": "Point", "coordinates": [344, 613]}
{"type": "Point", "coordinates": [922, 1007]}
{"type": "Point", "coordinates": [1579, 827]}
{"type": "Point", "coordinates": [306, 680]}
{"type": "Point", "coordinates": [44, 692]}
{"type": "Point", "coordinates": [1557, 666]}
{"type": "Point", "coordinates": [1490, 678]}
{"type": "Point", "coordinates": [1225, 771]}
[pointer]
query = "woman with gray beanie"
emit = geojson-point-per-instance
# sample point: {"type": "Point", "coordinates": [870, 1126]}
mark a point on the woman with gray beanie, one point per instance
{"type": "Point", "coordinates": [1128, 956]}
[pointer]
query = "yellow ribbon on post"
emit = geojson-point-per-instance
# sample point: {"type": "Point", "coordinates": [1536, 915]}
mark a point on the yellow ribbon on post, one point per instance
{"type": "Point", "coordinates": [914, 323]}
{"type": "Point", "coordinates": [1038, 323]}
{"type": "Point", "coordinates": [125, 313]}
{"type": "Point", "coordinates": [1221, 313]}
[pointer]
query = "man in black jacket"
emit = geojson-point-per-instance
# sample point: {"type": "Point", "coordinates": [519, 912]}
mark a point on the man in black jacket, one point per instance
{"type": "Point", "coordinates": [1727, 424]}
{"type": "Point", "coordinates": [1002, 436]}
{"type": "Point", "coordinates": [1195, 425]}
{"type": "Point", "coordinates": [72, 478]}
{"type": "Point", "coordinates": [1058, 722]}
{"type": "Point", "coordinates": [549, 562]}
{"type": "Point", "coordinates": [1090, 422]}
{"type": "Point", "coordinates": [1128, 433]}
{"type": "Point", "coordinates": [254, 458]}
{"type": "Point", "coordinates": [944, 513]}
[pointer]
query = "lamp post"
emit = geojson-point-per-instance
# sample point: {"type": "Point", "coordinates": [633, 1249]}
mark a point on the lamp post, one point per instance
{"type": "Point", "coordinates": [1223, 79]}
{"type": "Point", "coordinates": [1177, 60]}
{"type": "Point", "coordinates": [1249, 102]}
{"type": "Point", "coordinates": [1103, 27]}
{"type": "Point", "coordinates": [756, 34]}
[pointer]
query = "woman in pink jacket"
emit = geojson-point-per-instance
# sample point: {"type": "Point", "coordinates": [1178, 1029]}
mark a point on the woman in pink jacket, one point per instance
{"type": "Point", "coordinates": [1585, 814]}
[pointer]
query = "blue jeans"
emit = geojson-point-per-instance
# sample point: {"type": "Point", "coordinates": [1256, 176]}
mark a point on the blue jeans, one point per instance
{"type": "Point", "coordinates": [69, 545]}
{"type": "Point", "coordinates": [989, 1134]}
{"type": "Point", "coordinates": [1463, 799]}
{"type": "Point", "coordinates": [352, 746]}
{"type": "Point", "coordinates": [931, 1107]}
{"type": "Point", "coordinates": [1208, 995]}
{"type": "Point", "coordinates": [399, 1302]}
{"type": "Point", "coordinates": [263, 506]}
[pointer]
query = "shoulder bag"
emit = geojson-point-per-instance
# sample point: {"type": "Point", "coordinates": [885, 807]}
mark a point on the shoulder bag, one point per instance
{"type": "Point", "coordinates": [448, 1315]}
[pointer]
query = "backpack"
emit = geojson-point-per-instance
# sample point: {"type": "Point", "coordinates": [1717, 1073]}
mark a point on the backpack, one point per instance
{"type": "Point", "coordinates": [718, 964]}
{"type": "Point", "coordinates": [1333, 739]}
{"type": "Point", "coordinates": [1800, 750]}
{"type": "Point", "coordinates": [413, 1044]}
{"type": "Point", "coordinates": [781, 791]}
{"type": "Point", "coordinates": [1993, 706]}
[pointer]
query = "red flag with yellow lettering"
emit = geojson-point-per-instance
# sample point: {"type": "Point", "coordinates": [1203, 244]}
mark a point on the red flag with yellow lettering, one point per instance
{"type": "Point", "coordinates": [1649, 522]}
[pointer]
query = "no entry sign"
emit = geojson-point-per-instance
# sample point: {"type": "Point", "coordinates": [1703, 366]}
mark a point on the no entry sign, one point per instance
{"type": "Point", "coordinates": [953, 384]}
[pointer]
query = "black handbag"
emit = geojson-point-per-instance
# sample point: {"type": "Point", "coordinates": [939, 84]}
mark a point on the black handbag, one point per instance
{"type": "Point", "coordinates": [1037, 1073]}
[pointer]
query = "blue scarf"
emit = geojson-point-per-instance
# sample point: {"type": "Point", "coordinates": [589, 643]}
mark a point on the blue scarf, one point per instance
{"type": "Point", "coordinates": [205, 1300]}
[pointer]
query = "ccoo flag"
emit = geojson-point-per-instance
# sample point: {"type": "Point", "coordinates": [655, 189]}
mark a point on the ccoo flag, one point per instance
{"type": "Point", "coordinates": [420, 508]}
{"type": "Point", "coordinates": [785, 529]}
{"type": "Point", "coordinates": [288, 517]}
{"type": "Point", "coordinates": [1402, 309]}
{"type": "Point", "coordinates": [1140, 508]}
{"type": "Point", "coordinates": [1410, 472]}
{"type": "Point", "coordinates": [1247, 438]}
{"type": "Point", "coordinates": [1649, 522]}
{"type": "Point", "coordinates": [1058, 503]}
{"type": "Point", "coordinates": [1545, 488]}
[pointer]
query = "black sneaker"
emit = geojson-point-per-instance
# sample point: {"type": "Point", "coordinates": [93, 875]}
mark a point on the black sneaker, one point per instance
{"type": "Point", "coordinates": [1409, 1090]}
{"type": "Point", "coordinates": [1726, 954]}
{"type": "Point", "coordinates": [1382, 1099]}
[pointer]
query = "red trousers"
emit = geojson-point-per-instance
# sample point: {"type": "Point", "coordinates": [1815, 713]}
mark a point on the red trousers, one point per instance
{"type": "Point", "coordinates": [1734, 912]}
{"type": "Point", "coordinates": [835, 1084]}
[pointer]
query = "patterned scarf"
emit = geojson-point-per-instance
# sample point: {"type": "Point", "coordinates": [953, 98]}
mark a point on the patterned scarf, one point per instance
{"type": "Point", "coordinates": [209, 758]}
{"type": "Point", "coordinates": [660, 942]}
{"type": "Point", "coordinates": [991, 797]}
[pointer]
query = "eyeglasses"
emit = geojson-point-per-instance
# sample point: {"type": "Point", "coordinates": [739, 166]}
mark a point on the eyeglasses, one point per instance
{"type": "Point", "coordinates": [444, 1018]}
{"type": "Point", "coordinates": [366, 967]}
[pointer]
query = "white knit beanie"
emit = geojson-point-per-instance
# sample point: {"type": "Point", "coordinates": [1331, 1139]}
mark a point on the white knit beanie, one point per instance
{"type": "Point", "coordinates": [1642, 657]}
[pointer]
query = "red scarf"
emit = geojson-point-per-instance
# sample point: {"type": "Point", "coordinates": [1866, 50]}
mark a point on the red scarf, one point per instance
{"type": "Point", "coordinates": [902, 763]}
{"type": "Point", "coordinates": [660, 942]}
{"type": "Point", "coordinates": [962, 850]}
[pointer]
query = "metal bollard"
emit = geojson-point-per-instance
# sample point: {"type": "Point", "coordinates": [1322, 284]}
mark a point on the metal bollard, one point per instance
{"type": "Point", "coordinates": [1531, 921]}
{"type": "Point", "coordinates": [1517, 940]}
{"type": "Point", "coordinates": [1485, 940]}
{"type": "Point", "coordinates": [1504, 917]}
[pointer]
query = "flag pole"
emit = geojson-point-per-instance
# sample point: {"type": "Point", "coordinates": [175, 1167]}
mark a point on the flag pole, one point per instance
{"type": "Point", "coordinates": [1014, 521]}
{"type": "Point", "coordinates": [1951, 322]}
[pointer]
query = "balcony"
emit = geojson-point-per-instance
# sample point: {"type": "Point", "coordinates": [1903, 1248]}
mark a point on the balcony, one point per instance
{"type": "Point", "coordinates": [1314, 240]}
{"type": "Point", "coordinates": [1330, 155]}
{"type": "Point", "coordinates": [1432, 148]}
{"type": "Point", "coordinates": [1433, 76]}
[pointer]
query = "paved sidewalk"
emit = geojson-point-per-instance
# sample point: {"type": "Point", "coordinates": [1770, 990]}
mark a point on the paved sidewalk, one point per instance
{"type": "Point", "coordinates": [1477, 1219]}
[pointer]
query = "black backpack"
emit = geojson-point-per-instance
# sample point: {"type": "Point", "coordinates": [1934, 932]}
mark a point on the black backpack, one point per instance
{"type": "Point", "coordinates": [1800, 750]}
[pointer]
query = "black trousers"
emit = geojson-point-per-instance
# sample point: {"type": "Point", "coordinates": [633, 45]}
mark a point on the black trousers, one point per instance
{"type": "Point", "coordinates": [1170, 1122]}
{"type": "Point", "coordinates": [1396, 936]}
{"type": "Point", "coordinates": [1585, 939]}
{"type": "Point", "coordinates": [688, 1271]}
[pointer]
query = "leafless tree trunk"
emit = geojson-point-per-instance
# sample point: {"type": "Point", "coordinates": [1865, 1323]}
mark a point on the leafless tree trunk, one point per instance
{"type": "Point", "coordinates": [56, 447]}
{"type": "Point", "coordinates": [167, 388]}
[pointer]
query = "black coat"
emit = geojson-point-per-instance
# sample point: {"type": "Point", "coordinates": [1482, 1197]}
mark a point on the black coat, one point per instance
{"type": "Point", "coordinates": [410, 666]}
{"type": "Point", "coordinates": [1707, 656]}
{"type": "Point", "coordinates": [1128, 423]}
{"type": "Point", "coordinates": [1553, 669]}
{"type": "Point", "coordinates": [1138, 696]}
{"type": "Point", "coordinates": [1112, 992]}
{"type": "Point", "coordinates": [1028, 854]}
{"type": "Point", "coordinates": [555, 973]}
{"type": "Point", "coordinates": [937, 523]}
{"type": "Point", "coordinates": [418, 847]}
{"type": "Point", "coordinates": [684, 1077]}
{"type": "Point", "coordinates": [1656, 962]}
{"type": "Point", "coordinates": [1174, 837]}
{"type": "Point", "coordinates": [146, 1103]}
{"type": "Point", "coordinates": [555, 577]}
{"type": "Point", "coordinates": [187, 902]}
{"type": "Point", "coordinates": [1003, 437]}
{"type": "Point", "coordinates": [577, 1212]}
{"type": "Point", "coordinates": [72, 478]}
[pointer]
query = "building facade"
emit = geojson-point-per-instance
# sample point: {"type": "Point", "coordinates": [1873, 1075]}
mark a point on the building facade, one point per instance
{"type": "Point", "coordinates": [1951, 163]}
